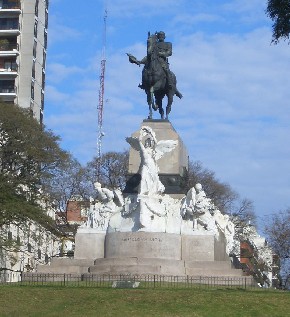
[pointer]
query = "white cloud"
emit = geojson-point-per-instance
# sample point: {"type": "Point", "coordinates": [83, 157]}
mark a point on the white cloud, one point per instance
{"type": "Point", "coordinates": [59, 72]}
{"type": "Point", "coordinates": [129, 8]}
{"type": "Point", "coordinates": [59, 32]}
{"type": "Point", "coordinates": [187, 18]}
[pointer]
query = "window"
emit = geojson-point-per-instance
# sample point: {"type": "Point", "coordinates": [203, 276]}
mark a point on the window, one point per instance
{"type": "Point", "coordinates": [44, 59]}
{"type": "Point", "coordinates": [36, 7]}
{"type": "Point", "coordinates": [41, 118]}
{"type": "Point", "coordinates": [43, 80]}
{"type": "Point", "coordinates": [35, 28]}
{"type": "Point", "coordinates": [46, 19]}
{"type": "Point", "coordinates": [9, 235]}
{"type": "Point", "coordinates": [32, 90]}
{"type": "Point", "coordinates": [33, 69]}
{"type": "Point", "coordinates": [10, 65]}
{"type": "Point", "coordinates": [7, 86]}
{"type": "Point", "coordinates": [9, 24]}
{"type": "Point", "coordinates": [31, 108]}
{"type": "Point", "coordinates": [42, 100]}
{"type": "Point", "coordinates": [34, 48]}
{"type": "Point", "coordinates": [45, 39]}
{"type": "Point", "coordinates": [39, 254]}
{"type": "Point", "coordinates": [29, 247]}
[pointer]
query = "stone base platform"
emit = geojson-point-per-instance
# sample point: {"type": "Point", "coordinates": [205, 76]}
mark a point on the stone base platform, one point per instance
{"type": "Point", "coordinates": [148, 253]}
{"type": "Point", "coordinates": [141, 266]}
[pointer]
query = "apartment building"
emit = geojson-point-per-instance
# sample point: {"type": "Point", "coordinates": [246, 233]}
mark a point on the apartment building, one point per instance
{"type": "Point", "coordinates": [23, 44]}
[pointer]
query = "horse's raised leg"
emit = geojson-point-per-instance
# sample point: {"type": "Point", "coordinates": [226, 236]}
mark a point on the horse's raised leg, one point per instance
{"type": "Point", "coordinates": [169, 103]}
{"type": "Point", "coordinates": [149, 101]}
{"type": "Point", "coordinates": [153, 102]}
{"type": "Point", "coordinates": [159, 104]}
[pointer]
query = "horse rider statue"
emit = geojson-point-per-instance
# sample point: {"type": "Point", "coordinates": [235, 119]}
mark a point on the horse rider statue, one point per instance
{"type": "Point", "coordinates": [158, 52]}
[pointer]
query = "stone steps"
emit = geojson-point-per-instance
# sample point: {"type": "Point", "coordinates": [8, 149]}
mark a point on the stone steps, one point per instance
{"type": "Point", "coordinates": [135, 265]}
{"type": "Point", "coordinates": [227, 265]}
{"type": "Point", "coordinates": [66, 265]}
{"type": "Point", "coordinates": [139, 261]}
{"type": "Point", "coordinates": [67, 269]}
{"type": "Point", "coordinates": [126, 269]}
{"type": "Point", "coordinates": [213, 272]}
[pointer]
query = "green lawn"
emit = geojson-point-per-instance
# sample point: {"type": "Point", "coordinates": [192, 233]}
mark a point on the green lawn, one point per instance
{"type": "Point", "coordinates": [69, 301]}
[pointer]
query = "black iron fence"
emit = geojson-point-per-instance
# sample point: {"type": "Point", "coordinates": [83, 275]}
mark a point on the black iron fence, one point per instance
{"type": "Point", "coordinates": [126, 281]}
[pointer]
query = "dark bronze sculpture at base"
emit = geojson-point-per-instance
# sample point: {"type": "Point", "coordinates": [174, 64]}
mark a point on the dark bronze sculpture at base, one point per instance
{"type": "Point", "coordinates": [158, 80]}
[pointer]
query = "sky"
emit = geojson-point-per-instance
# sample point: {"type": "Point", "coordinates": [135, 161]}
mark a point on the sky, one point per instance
{"type": "Point", "coordinates": [234, 116]}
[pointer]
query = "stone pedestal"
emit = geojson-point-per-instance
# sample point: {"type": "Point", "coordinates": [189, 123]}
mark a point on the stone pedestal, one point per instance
{"type": "Point", "coordinates": [149, 232]}
{"type": "Point", "coordinates": [198, 248]}
{"type": "Point", "coordinates": [89, 244]}
{"type": "Point", "coordinates": [143, 245]}
{"type": "Point", "coordinates": [172, 167]}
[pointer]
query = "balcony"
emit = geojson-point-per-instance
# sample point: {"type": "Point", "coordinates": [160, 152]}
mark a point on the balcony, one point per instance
{"type": "Point", "coordinates": [7, 92]}
{"type": "Point", "coordinates": [8, 49]}
{"type": "Point", "coordinates": [11, 90]}
{"type": "Point", "coordinates": [8, 70]}
{"type": "Point", "coordinates": [9, 27]}
{"type": "Point", "coordinates": [10, 5]}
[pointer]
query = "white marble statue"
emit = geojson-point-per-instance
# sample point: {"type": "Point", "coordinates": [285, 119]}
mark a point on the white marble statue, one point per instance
{"type": "Point", "coordinates": [150, 152]}
{"type": "Point", "coordinates": [106, 203]}
{"type": "Point", "coordinates": [188, 204]}
{"type": "Point", "coordinates": [197, 207]}
{"type": "Point", "coordinates": [227, 227]}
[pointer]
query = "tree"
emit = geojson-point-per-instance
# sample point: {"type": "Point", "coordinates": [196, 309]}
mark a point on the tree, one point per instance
{"type": "Point", "coordinates": [277, 229]}
{"type": "Point", "coordinates": [28, 156]}
{"type": "Point", "coordinates": [112, 169]}
{"type": "Point", "coordinates": [244, 213]}
{"type": "Point", "coordinates": [69, 180]}
{"type": "Point", "coordinates": [220, 193]}
{"type": "Point", "coordinates": [279, 12]}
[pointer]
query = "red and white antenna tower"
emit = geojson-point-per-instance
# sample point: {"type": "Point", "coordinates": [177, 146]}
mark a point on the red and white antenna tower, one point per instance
{"type": "Point", "coordinates": [101, 94]}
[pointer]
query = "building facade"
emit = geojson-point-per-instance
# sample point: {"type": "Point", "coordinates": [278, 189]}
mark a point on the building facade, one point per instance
{"type": "Point", "coordinates": [23, 44]}
{"type": "Point", "coordinates": [24, 245]}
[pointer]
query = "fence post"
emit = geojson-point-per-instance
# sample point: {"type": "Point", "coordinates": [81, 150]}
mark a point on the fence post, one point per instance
{"type": "Point", "coordinates": [245, 283]}
{"type": "Point", "coordinates": [154, 281]}
{"type": "Point", "coordinates": [64, 279]}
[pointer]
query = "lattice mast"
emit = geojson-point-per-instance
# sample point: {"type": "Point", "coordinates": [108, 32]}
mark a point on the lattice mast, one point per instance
{"type": "Point", "coordinates": [101, 95]}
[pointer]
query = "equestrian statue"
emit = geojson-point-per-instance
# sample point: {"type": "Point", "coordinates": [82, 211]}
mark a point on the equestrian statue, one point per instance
{"type": "Point", "coordinates": [158, 80]}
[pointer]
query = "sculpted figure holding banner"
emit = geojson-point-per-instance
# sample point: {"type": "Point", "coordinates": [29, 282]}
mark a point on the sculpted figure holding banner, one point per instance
{"type": "Point", "coordinates": [157, 79]}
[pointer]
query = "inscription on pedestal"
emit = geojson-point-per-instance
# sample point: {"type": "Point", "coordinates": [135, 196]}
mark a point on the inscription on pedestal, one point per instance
{"type": "Point", "coordinates": [143, 245]}
{"type": "Point", "coordinates": [151, 239]}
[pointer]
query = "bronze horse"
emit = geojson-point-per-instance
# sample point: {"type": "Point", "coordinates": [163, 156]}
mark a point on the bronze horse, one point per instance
{"type": "Point", "coordinates": [155, 80]}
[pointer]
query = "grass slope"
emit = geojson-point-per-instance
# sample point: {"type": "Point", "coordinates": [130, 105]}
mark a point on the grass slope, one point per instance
{"type": "Point", "coordinates": [59, 301]}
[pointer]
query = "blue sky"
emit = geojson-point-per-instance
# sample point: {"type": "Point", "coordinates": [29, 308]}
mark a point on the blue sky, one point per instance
{"type": "Point", "coordinates": [234, 116]}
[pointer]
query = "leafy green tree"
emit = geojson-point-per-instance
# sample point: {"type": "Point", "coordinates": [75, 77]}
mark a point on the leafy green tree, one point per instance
{"type": "Point", "coordinates": [279, 12]}
{"type": "Point", "coordinates": [28, 155]}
